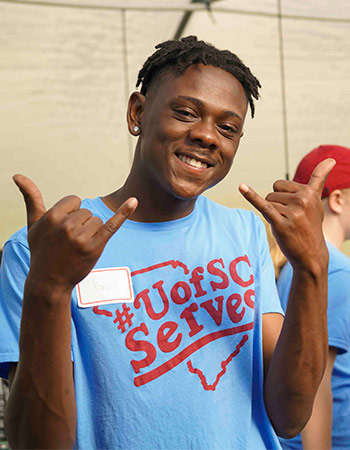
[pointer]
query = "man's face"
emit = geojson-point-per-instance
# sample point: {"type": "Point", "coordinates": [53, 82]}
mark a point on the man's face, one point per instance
{"type": "Point", "coordinates": [191, 128]}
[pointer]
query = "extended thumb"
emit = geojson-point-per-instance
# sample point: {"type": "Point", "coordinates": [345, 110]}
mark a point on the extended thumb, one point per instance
{"type": "Point", "coordinates": [33, 199]}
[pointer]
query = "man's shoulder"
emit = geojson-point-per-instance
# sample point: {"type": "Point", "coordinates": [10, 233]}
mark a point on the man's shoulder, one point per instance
{"type": "Point", "coordinates": [239, 224]}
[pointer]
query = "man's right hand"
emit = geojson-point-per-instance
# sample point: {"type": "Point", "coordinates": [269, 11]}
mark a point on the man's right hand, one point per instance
{"type": "Point", "coordinates": [65, 242]}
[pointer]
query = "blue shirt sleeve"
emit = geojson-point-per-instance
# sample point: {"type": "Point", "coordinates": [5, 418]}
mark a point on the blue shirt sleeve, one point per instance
{"type": "Point", "coordinates": [270, 299]}
{"type": "Point", "coordinates": [339, 310]}
{"type": "Point", "coordinates": [13, 273]}
{"type": "Point", "coordinates": [283, 284]}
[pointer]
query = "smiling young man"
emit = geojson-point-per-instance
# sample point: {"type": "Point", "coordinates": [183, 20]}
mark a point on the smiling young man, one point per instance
{"type": "Point", "coordinates": [173, 322]}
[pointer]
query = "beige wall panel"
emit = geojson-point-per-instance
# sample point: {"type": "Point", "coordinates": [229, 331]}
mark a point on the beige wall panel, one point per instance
{"type": "Point", "coordinates": [317, 67]}
{"type": "Point", "coordinates": [346, 248]}
{"type": "Point", "coordinates": [252, 6]}
{"type": "Point", "coordinates": [328, 9]}
{"type": "Point", "coordinates": [144, 31]}
{"type": "Point", "coordinates": [62, 104]}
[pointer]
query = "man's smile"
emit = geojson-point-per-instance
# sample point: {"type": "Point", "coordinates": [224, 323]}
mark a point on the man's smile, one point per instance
{"type": "Point", "coordinates": [193, 161]}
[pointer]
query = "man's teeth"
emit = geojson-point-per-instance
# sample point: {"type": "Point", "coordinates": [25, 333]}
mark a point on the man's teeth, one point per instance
{"type": "Point", "coordinates": [193, 162]}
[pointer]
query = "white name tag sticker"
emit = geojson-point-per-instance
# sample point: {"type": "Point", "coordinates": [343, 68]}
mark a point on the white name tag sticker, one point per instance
{"type": "Point", "coordinates": [104, 286]}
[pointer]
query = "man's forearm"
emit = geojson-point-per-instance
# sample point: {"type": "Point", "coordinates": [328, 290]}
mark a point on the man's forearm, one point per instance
{"type": "Point", "coordinates": [41, 410]}
{"type": "Point", "coordinates": [300, 356]}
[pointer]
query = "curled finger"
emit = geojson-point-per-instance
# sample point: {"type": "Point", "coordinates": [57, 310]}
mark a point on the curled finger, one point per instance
{"type": "Point", "coordinates": [285, 186]}
{"type": "Point", "coordinates": [279, 197]}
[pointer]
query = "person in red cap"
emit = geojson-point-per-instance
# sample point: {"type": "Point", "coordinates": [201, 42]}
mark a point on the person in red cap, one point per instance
{"type": "Point", "coordinates": [329, 426]}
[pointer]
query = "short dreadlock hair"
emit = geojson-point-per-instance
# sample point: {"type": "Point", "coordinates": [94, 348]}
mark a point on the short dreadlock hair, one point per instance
{"type": "Point", "coordinates": [175, 56]}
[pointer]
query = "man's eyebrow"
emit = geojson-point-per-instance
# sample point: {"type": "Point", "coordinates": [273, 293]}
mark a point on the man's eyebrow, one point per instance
{"type": "Point", "coordinates": [200, 103]}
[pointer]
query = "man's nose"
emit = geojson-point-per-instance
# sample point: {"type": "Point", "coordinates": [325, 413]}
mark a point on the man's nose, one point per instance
{"type": "Point", "coordinates": [204, 134]}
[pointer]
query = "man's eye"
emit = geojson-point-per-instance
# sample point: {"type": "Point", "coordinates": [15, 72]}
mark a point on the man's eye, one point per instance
{"type": "Point", "coordinates": [228, 128]}
{"type": "Point", "coordinates": [184, 113]}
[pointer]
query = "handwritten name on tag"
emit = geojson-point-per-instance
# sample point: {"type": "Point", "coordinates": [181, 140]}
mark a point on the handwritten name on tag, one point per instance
{"type": "Point", "coordinates": [104, 286]}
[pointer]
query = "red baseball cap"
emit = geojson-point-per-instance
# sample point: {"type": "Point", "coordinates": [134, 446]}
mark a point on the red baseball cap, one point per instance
{"type": "Point", "coordinates": [339, 178]}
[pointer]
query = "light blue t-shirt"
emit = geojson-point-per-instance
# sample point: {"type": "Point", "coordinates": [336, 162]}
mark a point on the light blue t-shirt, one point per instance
{"type": "Point", "coordinates": [181, 367]}
{"type": "Point", "coordinates": [338, 313]}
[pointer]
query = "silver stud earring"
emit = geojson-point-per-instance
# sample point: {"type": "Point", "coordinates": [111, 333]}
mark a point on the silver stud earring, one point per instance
{"type": "Point", "coordinates": [136, 128]}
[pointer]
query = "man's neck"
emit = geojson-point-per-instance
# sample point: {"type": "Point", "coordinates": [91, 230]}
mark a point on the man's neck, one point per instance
{"type": "Point", "coordinates": [154, 205]}
{"type": "Point", "coordinates": [333, 231]}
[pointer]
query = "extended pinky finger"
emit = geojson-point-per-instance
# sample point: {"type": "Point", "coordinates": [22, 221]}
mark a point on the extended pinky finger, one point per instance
{"type": "Point", "coordinates": [115, 222]}
{"type": "Point", "coordinates": [267, 209]}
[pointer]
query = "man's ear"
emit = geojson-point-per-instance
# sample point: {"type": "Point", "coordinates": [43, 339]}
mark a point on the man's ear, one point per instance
{"type": "Point", "coordinates": [135, 112]}
{"type": "Point", "coordinates": [336, 201]}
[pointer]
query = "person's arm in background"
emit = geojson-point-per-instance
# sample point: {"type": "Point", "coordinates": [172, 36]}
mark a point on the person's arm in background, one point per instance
{"type": "Point", "coordinates": [65, 244]}
{"type": "Point", "coordinates": [317, 433]}
{"type": "Point", "coordinates": [296, 358]}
